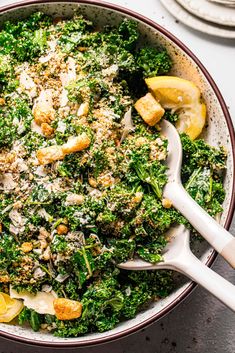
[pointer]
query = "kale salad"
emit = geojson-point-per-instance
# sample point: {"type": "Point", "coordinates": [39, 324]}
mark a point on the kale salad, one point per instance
{"type": "Point", "coordinates": [82, 172]}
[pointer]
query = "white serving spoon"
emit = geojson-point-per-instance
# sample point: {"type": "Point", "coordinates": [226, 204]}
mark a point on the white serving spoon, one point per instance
{"type": "Point", "coordinates": [220, 239]}
{"type": "Point", "coordinates": [178, 256]}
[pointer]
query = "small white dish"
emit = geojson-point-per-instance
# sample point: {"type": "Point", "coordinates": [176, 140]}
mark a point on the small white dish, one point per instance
{"type": "Point", "coordinates": [210, 11]}
{"type": "Point", "coordinates": [191, 21]}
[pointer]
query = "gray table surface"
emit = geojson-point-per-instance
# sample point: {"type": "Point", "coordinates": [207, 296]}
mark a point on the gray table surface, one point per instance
{"type": "Point", "coordinates": [200, 324]}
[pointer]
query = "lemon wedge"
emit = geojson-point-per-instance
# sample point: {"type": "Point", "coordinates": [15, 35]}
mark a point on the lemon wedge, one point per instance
{"type": "Point", "coordinates": [3, 306]}
{"type": "Point", "coordinates": [181, 96]}
{"type": "Point", "coordinates": [9, 308]}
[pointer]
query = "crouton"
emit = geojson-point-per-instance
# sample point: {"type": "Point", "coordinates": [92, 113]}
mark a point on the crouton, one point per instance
{"type": "Point", "coordinates": [55, 153]}
{"type": "Point", "coordinates": [50, 154]}
{"type": "Point", "coordinates": [76, 143]}
{"type": "Point", "coordinates": [4, 278]}
{"type": "Point", "coordinates": [2, 101]}
{"type": "Point", "coordinates": [47, 130]}
{"type": "Point", "coordinates": [43, 114]}
{"type": "Point", "coordinates": [82, 49]}
{"type": "Point", "coordinates": [166, 203]}
{"type": "Point", "coordinates": [149, 109]}
{"type": "Point", "coordinates": [92, 182]}
{"type": "Point", "coordinates": [66, 309]}
{"type": "Point", "coordinates": [26, 247]}
{"type": "Point", "coordinates": [62, 229]}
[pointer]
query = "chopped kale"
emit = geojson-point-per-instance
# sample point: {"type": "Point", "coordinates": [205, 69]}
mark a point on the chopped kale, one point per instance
{"type": "Point", "coordinates": [153, 62]}
{"type": "Point", "coordinates": [171, 117]}
{"type": "Point", "coordinates": [25, 40]}
{"type": "Point", "coordinates": [14, 121]}
{"type": "Point", "coordinates": [202, 173]}
{"type": "Point", "coordinates": [31, 317]}
{"type": "Point", "coordinates": [153, 173]}
{"type": "Point", "coordinates": [199, 154]}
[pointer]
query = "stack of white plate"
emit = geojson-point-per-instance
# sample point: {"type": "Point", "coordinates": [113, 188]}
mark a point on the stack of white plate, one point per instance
{"type": "Point", "coordinates": [206, 16]}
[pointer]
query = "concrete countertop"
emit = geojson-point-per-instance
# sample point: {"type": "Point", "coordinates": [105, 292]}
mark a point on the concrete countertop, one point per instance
{"type": "Point", "coordinates": [200, 324]}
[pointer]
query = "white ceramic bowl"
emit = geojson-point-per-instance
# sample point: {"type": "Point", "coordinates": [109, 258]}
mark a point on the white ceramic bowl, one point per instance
{"type": "Point", "coordinates": [219, 130]}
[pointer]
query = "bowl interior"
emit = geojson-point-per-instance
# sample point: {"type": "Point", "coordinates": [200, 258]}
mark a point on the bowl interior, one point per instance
{"type": "Point", "coordinates": [216, 133]}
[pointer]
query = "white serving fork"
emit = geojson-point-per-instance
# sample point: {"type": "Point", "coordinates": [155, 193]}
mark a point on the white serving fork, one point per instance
{"type": "Point", "coordinates": [177, 256]}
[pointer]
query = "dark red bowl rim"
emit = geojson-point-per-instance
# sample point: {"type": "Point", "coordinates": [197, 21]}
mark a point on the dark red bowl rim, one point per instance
{"type": "Point", "coordinates": [228, 221]}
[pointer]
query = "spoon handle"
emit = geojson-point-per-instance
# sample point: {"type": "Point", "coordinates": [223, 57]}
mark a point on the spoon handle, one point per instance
{"type": "Point", "coordinates": [193, 268]}
{"type": "Point", "coordinates": [220, 239]}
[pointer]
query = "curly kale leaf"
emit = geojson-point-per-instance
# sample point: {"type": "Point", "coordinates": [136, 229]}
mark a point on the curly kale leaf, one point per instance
{"type": "Point", "coordinates": [40, 196]}
{"type": "Point", "coordinates": [77, 24]}
{"type": "Point", "coordinates": [15, 121]}
{"type": "Point", "coordinates": [73, 32]}
{"type": "Point", "coordinates": [32, 141]}
{"type": "Point", "coordinates": [153, 62]}
{"type": "Point", "coordinates": [171, 117]}
{"type": "Point", "coordinates": [29, 45]}
{"type": "Point", "coordinates": [9, 252]}
{"type": "Point", "coordinates": [159, 283]}
{"type": "Point", "coordinates": [139, 295]}
{"type": "Point", "coordinates": [93, 59]}
{"type": "Point", "coordinates": [40, 39]}
{"type": "Point", "coordinates": [122, 249]}
{"type": "Point", "coordinates": [102, 298]}
{"type": "Point", "coordinates": [152, 220]}
{"type": "Point", "coordinates": [114, 46]}
{"type": "Point", "coordinates": [81, 90]}
{"type": "Point", "coordinates": [152, 173]}
{"type": "Point", "coordinates": [202, 173]}
{"type": "Point", "coordinates": [129, 34]}
{"type": "Point", "coordinates": [99, 160]}
{"type": "Point", "coordinates": [30, 316]}
{"type": "Point", "coordinates": [80, 32]}
{"type": "Point", "coordinates": [142, 287]}
{"type": "Point", "coordinates": [35, 320]}
{"type": "Point", "coordinates": [25, 40]}
{"type": "Point", "coordinates": [7, 129]}
{"type": "Point", "coordinates": [206, 191]}
{"type": "Point", "coordinates": [34, 22]}
{"type": "Point", "coordinates": [153, 252]}
{"type": "Point", "coordinates": [124, 36]}
{"type": "Point", "coordinates": [145, 254]}
{"type": "Point", "coordinates": [83, 264]}
{"type": "Point", "coordinates": [6, 70]}
{"type": "Point", "coordinates": [103, 260]}
{"type": "Point", "coordinates": [198, 153]}
{"type": "Point", "coordinates": [59, 245]}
